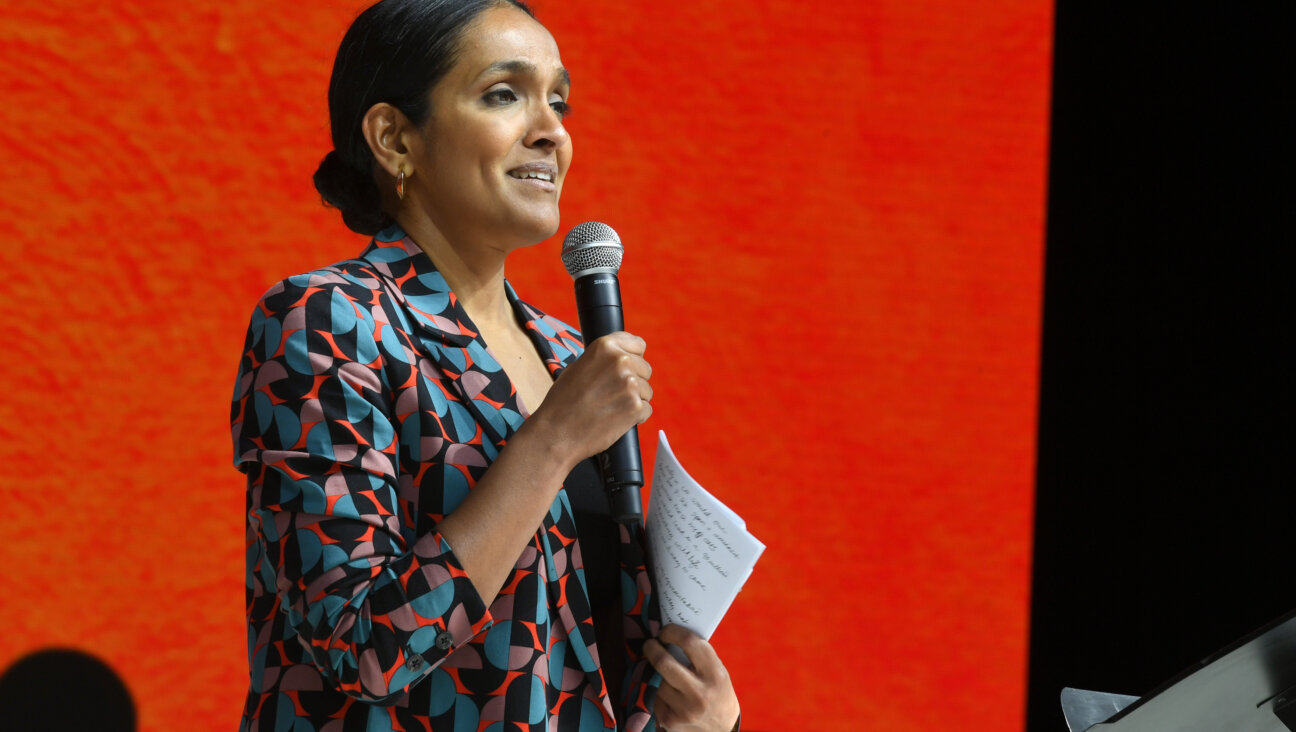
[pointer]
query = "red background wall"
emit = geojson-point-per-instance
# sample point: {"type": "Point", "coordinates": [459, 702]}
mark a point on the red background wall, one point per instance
{"type": "Point", "coordinates": [833, 216]}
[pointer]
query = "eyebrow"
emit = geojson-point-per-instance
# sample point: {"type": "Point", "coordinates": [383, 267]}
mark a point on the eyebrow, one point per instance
{"type": "Point", "coordinates": [521, 67]}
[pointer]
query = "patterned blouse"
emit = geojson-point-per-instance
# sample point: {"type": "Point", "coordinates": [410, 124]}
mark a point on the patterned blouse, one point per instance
{"type": "Point", "coordinates": [365, 409]}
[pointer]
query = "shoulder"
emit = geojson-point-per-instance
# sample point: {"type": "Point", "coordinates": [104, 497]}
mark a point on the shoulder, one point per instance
{"type": "Point", "coordinates": [348, 297]}
{"type": "Point", "coordinates": [319, 317]}
{"type": "Point", "coordinates": [353, 280]}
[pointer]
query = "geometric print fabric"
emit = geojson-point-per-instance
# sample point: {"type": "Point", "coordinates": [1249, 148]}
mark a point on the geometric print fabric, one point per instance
{"type": "Point", "coordinates": [365, 408]}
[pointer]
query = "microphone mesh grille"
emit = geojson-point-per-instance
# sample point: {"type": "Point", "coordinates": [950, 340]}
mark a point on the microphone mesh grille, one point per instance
{"type": "Point", "coordinates": [591, 245]}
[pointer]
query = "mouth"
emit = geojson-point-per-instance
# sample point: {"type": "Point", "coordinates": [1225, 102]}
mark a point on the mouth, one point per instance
{"type": "Point", "coordinates": [537, 174]}
{"type": "Point", "coordinates": [532, 175]}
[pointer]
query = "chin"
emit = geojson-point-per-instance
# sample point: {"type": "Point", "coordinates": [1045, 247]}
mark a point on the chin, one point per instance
{"type": "Point", "coordinates": [542, 228]}
{"type": "Point", "coordinates": [529, 236]}
{"type": "Point", "coordinates": [551, 229]}
{"type": "Point", "coordinates": [524, 225]}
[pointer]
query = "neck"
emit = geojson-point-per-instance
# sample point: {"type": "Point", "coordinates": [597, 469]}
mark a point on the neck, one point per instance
{"type": "Point", "coordinates": [474, 272]}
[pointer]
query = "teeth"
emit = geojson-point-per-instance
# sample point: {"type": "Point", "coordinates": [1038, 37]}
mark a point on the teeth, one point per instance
{"type": "Point", "coordinates": [532, 174]}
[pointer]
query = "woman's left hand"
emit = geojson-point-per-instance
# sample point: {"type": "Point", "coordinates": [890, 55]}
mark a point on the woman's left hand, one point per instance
{"type": "Point", "coordinates": [697, 699]}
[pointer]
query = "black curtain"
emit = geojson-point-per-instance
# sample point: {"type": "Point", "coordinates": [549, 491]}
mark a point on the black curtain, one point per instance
{"type": "Point", "coordinates": [1166, 494]}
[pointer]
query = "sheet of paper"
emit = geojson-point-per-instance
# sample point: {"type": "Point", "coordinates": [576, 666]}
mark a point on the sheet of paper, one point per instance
{"type": "Point", "coordinates": [701, 550]}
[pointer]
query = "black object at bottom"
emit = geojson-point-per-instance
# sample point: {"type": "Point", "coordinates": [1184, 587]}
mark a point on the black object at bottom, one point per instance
{"type": "Point", "coordinates": [57, 689]}
{"type": "Point", "coordinates": [1285, 708]}
{"type": "Point", "coordinates": [1246, 687]}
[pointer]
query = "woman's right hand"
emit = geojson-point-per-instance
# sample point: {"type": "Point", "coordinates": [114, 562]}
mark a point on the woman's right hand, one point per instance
{"type": "Point", "coordinates": [599, 397]}
{"type": "Point", "coordinates": [593, 402]}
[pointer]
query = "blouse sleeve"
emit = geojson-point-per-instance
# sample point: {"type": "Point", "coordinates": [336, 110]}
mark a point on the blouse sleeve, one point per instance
{"type": "Point", "coordinates": [375, 606]}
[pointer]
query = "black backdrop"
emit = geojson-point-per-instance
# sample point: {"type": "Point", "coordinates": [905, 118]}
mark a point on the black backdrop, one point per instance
{"type": "Point", "coordinates": [1166, 494]}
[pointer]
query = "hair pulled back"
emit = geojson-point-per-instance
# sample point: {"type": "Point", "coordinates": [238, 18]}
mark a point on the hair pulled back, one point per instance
{"type": "Point", "coordinates": [394, 52]}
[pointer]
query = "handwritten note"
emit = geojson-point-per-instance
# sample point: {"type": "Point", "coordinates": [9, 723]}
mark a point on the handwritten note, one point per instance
{"type": "Point", "coordinates": [702, 551]}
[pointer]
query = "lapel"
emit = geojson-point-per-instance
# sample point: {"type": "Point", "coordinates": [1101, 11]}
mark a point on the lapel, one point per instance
{"type": "Point", "coordinates": [553, 339]}
{"type": "Point", "coordinates": [433, 314]}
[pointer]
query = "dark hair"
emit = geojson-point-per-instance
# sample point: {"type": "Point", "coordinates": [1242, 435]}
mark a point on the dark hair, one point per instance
{"type": "Point", "coordinates": [394, 52]}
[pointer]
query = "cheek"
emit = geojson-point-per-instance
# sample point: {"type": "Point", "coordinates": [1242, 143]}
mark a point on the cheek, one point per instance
{"type": "Point", "coordinates": [470, 142]}
{"type": "Point", "coordinates": [498, 140]}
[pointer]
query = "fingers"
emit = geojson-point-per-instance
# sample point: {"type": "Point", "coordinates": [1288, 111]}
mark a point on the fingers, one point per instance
{"type": "Point", "coordinates": [697, 698]}
{"type": "Point", "coordinates": [687, 701]}
{"type": "Point", "coordinates": [664, 713]}
{"type": "Point", "coordinates": [680, 690]}
{"type": "Point", "coordinates": [627, 349]}
{"type": "Point", "coordinates": [640, 387]}
{"type": "Point", "coordinates": [645, 411]}
{"type": "Point", "coordinates": [705, 664]}
{"type": "Point", "coordinates": [700, 653]}
{"type": "Point", "coordinates": [632, 365]}
{"type": "Point", "coordinates": [628, 342]}
{"type": "Point", "coordinates": [668, 666]}
{"type": "Point", "coordinates": [599, 397]}
{"type": "Point", "coordinates": [631, 370]}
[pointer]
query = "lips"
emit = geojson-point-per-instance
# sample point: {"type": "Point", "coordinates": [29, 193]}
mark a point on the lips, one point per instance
{"type": "Point", "coordinates": [537, 171]}
{"type": "Point", "coordinates": [534, 174]}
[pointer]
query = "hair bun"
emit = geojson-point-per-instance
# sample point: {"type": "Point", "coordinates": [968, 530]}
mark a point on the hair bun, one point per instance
{"type": "Point", "coordinates": [352, 192]}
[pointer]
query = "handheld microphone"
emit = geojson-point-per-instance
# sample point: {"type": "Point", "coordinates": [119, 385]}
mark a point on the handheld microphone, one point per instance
{"type": "Point", "coordinates": [591, 253]}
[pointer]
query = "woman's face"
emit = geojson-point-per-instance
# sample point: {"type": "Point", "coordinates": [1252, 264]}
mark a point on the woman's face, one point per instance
{"type": "Point", "coordinates": [491, 161]}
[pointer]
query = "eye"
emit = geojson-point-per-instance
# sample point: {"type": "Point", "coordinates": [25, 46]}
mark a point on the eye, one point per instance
{"type": "Point", "coordinates": [500, 97]}
{"type": "Point", "coordinates": [561, 108]}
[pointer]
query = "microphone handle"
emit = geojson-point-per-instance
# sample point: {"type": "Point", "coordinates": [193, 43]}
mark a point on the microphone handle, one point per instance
{"type": "Point", "coordinates": [598, 303]}
{"type": "Point", "coordinates": [623, 474]}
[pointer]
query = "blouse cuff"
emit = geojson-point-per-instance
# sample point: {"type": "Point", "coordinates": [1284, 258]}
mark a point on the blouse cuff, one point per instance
{"type": "Point", "coordinates": [457, 616]}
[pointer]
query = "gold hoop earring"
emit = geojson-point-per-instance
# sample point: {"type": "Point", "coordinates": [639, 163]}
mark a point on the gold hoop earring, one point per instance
{"type": "Point", "coordinates": [400, 184]}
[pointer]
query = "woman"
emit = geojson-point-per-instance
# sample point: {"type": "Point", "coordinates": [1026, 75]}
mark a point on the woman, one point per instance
{"type": "Point", "coordinates": [407, 424]}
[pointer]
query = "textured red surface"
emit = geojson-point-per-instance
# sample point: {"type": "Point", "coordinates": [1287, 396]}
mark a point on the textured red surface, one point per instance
{"type": "Point", "coordinates": [834, 223]}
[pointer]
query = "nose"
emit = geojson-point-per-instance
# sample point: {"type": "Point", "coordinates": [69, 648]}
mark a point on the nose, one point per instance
{"type": "Point", "coordinates": [546, 130]}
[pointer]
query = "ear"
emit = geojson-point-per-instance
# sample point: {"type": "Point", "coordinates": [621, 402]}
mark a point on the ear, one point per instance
{"type": "Point", "coordinates": [385, 128]}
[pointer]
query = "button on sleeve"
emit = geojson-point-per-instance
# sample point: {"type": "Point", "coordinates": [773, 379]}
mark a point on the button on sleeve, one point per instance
{"type": "Point", "coordinates": [444, 640]}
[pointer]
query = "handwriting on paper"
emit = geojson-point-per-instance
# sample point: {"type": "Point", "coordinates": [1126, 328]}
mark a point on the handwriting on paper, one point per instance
{"type": "Point", "coordinates": [701, 550]}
